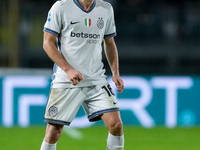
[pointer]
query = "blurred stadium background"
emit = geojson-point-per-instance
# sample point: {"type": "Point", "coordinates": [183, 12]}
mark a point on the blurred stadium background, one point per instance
{"type": "Point", "coordinates": [159, 52]}
{"type": "Point", "coordinates": [154, 37]}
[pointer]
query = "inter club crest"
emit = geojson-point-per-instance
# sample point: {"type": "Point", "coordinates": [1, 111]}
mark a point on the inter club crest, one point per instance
{"type": "Point", "coordinates": [53, 110]}
{"type": "Point", "coordinates": [100, 23]}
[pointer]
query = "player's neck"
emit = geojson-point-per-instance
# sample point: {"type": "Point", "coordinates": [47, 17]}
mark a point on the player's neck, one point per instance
{"type": "Point", "coordinates": [86, 4]}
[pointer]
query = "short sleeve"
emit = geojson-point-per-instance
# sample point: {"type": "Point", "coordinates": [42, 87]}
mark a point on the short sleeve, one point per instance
{"type": "Point", "coordinates": [54, 20]}
{"type": "Point", "coordinates": [110, 30]}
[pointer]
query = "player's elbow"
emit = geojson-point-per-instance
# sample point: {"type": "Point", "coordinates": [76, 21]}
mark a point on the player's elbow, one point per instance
{"type": "Point", "coordinates": [45, 45]}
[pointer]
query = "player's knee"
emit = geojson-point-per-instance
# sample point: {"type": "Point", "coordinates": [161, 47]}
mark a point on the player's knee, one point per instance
{"type": "Point", "coordinates": [117, 128]}
{"type": "Point", "coordinates": [52, 137]}
{"type": "Point", "coordinates": [53, 133]}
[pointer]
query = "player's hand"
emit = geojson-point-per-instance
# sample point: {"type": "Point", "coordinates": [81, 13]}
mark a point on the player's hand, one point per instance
{"type": "Point", "coordinates": [118, 83]}
{"type": "Point", "coordinates": [74, 76]}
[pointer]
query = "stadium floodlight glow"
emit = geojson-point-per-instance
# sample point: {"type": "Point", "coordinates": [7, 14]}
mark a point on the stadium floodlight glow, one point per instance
{"type": "Point", "coordinates": [171, 84]}
{"type": "Point", "coordinates": [12, 82]}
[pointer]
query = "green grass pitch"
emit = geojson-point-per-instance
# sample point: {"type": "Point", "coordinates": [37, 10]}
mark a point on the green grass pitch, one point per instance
{"type": "Point", "coordinates": [94, 138]}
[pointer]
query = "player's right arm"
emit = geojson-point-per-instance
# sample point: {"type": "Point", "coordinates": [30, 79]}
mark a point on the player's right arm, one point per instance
{"type": "Point", "coordinates": [73, 75]}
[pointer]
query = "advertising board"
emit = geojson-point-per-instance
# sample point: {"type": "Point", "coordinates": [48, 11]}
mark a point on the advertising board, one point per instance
{"type": "Point", "coordinates": [147, 101]}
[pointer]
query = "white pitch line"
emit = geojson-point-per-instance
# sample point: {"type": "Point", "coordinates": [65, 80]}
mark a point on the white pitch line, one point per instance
{"type": "Point", "coordinates": [73, 133]}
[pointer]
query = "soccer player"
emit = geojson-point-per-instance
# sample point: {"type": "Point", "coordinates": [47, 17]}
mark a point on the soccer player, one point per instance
{"type": "Point", "coordinates": [79, 27]}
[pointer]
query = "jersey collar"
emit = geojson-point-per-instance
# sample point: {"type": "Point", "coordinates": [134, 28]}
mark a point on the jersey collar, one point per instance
{"type": "Point", "coordinates": [79, 5]}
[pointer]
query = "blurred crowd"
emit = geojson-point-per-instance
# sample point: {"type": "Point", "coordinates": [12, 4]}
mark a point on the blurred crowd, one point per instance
{"type": "Point", "coordinates": [140, 23]}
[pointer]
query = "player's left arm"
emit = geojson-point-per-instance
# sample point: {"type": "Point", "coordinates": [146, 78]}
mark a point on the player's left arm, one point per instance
{"type": "Point", "coordinates": [112, 57]}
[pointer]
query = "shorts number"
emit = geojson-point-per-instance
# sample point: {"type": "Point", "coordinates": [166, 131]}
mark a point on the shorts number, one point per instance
{"type": "Point", "coordinates": [108, 90]}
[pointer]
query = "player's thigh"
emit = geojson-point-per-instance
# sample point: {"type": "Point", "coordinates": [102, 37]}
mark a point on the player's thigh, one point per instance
{"type": "Point", "coordinates": [100, 99]}
{"type": "Point", "coordinates": [63, 105]}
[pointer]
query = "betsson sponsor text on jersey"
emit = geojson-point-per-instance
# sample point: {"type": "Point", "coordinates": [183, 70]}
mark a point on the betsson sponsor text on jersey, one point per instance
{"type": "Point", "coordinates": [91, 38]}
